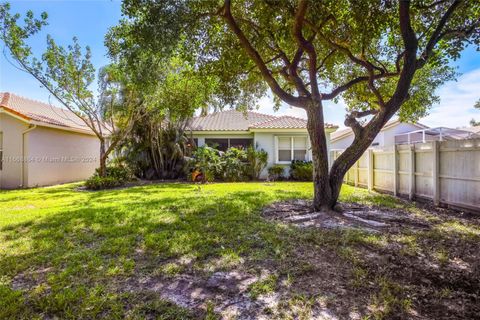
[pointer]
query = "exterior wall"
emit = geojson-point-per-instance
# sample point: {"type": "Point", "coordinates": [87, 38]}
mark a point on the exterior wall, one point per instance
{"type": "Point", "coordinates": [390, 133]}
{"type": "Point", "coordinates": [11, 174]}
{"type": "Point", "coordinates": [345, 142]}
{"type": "Point", "coordinates": [266, 141]}
{"type": "Point", "coordinates": [58, 156]}
{"type": "Point", "coordinates": [385, 138]}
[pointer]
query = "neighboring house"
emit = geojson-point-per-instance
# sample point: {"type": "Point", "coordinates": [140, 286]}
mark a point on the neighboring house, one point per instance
{"type": "Point", "coordinates": [342, 139]}
{"type": "Point", "coordinates": [43, 145]}
{"type": "Point", "coordinates": [284, 138]}
{"type": "Point", "coordinates": [475, 129]}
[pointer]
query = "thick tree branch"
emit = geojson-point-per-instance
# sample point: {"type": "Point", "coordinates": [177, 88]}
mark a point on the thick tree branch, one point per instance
{"type": "Point", "coordinates": [335, 92]}
{"type": "Point", "coordinates": [437, 34]}
{"type": "Point", "coordinates": [257, 59]}
{"type": "Point", "coordinates": [307, 46]}
{"type": "Point", "coordinates": [364, 135]}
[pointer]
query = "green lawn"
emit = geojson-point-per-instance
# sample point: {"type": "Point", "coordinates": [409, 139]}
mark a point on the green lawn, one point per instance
{"type": "Point", "coordinates": [73, 254]}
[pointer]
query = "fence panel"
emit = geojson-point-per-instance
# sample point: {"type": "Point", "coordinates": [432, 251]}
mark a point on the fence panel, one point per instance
{"type": "Point", "coordinates": [424, 170]}
{"type": "Point", "coordinates": [404, 169]}
{"type": "Point", "coordinates": [446, 172]}
{"type": "Point", "coordinates": [460, 172]}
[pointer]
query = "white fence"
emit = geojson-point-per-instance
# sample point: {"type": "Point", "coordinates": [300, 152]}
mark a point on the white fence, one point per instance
{"type": "Point", "coordinates": [446, 172]}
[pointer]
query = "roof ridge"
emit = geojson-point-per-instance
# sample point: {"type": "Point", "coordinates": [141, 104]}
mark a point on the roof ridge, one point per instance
{"type": "Point", "coordinates": [35, 100]}
{"type": "Point", "coordinates": [235, 110]}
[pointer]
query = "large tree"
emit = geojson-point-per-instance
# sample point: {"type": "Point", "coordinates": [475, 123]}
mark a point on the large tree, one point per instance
{"type": "Point", "coordinates": [68, 74]}
{"type": "Point", "coordinates": [382, 57]}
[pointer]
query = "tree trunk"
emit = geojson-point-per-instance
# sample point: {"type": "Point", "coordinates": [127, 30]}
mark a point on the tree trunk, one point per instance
{"type": "Point", "coordinates": [102, 170]}
{"type": "Point", "coordinates": [328, 183]}
{"type": "Point", "coordinates": [324, 196]}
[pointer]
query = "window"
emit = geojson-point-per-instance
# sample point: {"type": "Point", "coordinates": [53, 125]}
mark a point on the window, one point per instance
{"type": "Point", "coordinates": [291, 148]}
{"type": "Point", "coordinates": [284, 149]}
{"type": "Point", "coordinates": [219, 144]}
{"type": "Point", "coordinates": [1, 151]}
{"type": "Point", "coordinates": [224, 144]}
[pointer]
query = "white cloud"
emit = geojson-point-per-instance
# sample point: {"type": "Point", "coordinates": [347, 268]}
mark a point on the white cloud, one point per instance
{"type": "Point", "coordinates": [454, 110]}
{"type": "Point", "coordinates": [456, 102]}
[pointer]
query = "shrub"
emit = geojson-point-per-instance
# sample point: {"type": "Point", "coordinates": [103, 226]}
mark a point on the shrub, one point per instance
{"type": "Point", "coordinates": [121, 173]}
{"type": "Point", "coordinates": [115, 176]}
{"type": "Point", "coordinates": [301, 170]}
{"type": "Point", "coordinates": [234, 165]}
{"type": "Point", "coordinates": [276, 172]}
{"type": "Point", "coordinates": [98, 183]}
{"type": "Point", "coordinates": [257, 161]}
{"type": "Point", "coordinates": [205, 164]}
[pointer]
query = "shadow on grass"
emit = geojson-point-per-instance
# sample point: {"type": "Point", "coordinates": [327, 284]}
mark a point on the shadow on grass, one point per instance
{"type": "Point", "coordinates": [77, 261]}
{"type": "Point", "coordinates": [103, 238]}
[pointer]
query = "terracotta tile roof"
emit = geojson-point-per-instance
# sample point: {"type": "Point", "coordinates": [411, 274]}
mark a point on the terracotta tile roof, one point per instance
{"type": "Point", "coordinates": [232, 120]}
{"type": "Point", "coordinates": [41, 112]}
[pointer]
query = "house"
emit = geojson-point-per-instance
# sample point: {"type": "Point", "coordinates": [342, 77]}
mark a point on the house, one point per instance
{"type": "Point", "coordinates": [475, 129]}
{"type": "Point", "coordinates": [43, 145]}
{"type": "Point", "coordinates": [284, 138]}
{"type": "Point", "coordinates": [342, 139]}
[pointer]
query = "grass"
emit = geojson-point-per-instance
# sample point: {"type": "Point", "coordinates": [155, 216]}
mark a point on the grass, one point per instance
{"type": "Point", "coordinates": [70, 254]}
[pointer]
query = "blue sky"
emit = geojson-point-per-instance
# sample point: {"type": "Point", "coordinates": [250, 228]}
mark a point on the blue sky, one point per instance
{"type": "Point", "coordinates": [89, 20]}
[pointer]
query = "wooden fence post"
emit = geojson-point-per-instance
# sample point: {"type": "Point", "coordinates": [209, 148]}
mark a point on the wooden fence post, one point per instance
{"type": "Point", "coordinates": [436, 172]}
{"type": "Point", "coordinates": [370, 170]}
{"type": "Point", "coordinates": [412, 172]}
{"type": "Point", "coordinates": [355, 178]}
{"type": "Point", "coordinates": [395, 170]}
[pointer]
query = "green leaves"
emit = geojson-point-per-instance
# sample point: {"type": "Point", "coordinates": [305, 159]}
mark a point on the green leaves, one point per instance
{"type": "Point", "coordinates": [338, 30]}
{"type": "Point", "coordinates": [67, 72]}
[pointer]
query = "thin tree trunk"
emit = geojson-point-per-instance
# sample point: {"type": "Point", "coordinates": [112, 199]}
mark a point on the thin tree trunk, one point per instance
{"type": "Point", "coordinates": [102, 171]}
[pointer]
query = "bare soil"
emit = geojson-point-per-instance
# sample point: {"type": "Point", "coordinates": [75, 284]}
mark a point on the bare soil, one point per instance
{"type": "Point", "coordinates": [410, 269]}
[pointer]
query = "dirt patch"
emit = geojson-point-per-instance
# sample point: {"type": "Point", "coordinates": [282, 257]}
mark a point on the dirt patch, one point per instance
{"type": "Point", "coordinates": [227, 292]}
{"type": "Point", "coordinates": [398, 264]}
{"type": "Point", "coordinates": [419, 264]}
{"type": "Point", "coordinates": [354, 216]}
{"type": "Point", "coordinates": [30, 279]}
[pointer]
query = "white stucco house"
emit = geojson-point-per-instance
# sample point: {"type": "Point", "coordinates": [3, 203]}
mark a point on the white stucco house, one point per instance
{"type": "Point", "coordinates": [342, 139]}
{"type": "Point", "coordinates": [43, 145]}
{"type": "Point", "coordinates": [284, 138]}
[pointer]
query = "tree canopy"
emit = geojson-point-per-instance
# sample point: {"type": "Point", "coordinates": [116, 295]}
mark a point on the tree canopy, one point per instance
{"type": "Point", "coordinates": [353, 40]}
{"type": "Point", "coordinates": [382, 57]}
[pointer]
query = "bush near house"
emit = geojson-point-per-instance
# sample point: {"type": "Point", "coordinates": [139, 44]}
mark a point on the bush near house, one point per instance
{"type": "Point", "coordinates": [204, 164]}
{"type": "Point", "coordinates": [115, 176]}
{"type": "Point", "coordinates": [301, 170]}
{"type": "Point", "coordinates": [257, 162]}
{"type": "Point", "coordinates": [236, 164]}
{"type": "Point", "coordinates": [276, 172]}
